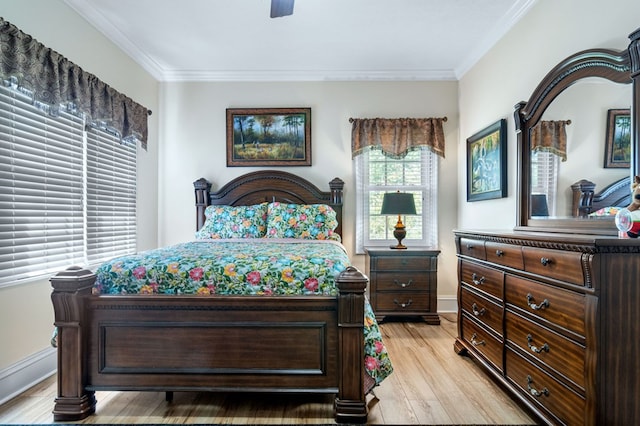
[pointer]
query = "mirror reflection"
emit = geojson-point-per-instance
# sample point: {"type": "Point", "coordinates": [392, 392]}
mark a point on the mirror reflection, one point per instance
{"type": "Point", "coordinates": [584, 108]}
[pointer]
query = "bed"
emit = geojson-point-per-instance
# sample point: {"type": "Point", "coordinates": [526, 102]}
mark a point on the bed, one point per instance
{"type": "Point", "coordinates": [587, 202]}
{"type": "Point", "coordinates": [322, 339]}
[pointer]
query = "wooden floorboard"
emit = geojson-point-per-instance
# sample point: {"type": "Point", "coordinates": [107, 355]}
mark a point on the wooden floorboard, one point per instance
{"type": "Point", "coordinates": [430, 385]}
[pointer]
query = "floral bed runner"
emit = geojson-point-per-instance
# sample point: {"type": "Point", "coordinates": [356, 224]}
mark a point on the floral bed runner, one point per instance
{"type": "Point", "coordinates": [242, 267]}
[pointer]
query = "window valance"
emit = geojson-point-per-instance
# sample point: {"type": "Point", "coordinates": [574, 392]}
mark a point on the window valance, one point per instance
{"type": "Point", "coordinates": [550, 136]}
{"type": "Point", "coordinates": [51, 79]}
{"type": "Point", "coordinates": [397, 136]}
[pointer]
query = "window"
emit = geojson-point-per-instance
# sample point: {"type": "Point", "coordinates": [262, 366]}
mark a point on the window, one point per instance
{"type": "Point", "coordinates": [56, 210]}
{"type": "Point", "coordinates": [416, 173]}
{"type": "Point", "coordinates": [544, 177]}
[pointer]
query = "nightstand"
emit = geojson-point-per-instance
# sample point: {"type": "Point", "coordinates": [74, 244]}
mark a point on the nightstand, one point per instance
{"type": "Point", "coordinates": [403, 283]}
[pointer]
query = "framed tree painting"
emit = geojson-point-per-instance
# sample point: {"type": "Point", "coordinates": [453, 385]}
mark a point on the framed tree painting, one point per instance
{"type": "Point", "coordinates": [268, 136]}
{"type": "Point", "coordinates": [487, 163]}
{"type": "Point", "coordinates": [617, 147]}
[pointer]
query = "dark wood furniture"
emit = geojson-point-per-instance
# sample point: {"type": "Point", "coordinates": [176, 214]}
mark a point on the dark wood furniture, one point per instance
{"type": "Point", "coordinates": [403, 283]}
{"type": "Point", "coordinates": [587, 201]}
{"type": "Point", "coordinates": [310, 344]}
{"type": "Point", "coordinates": [607, 65]}
{"type": "Point", "coordinates": [555, 319]}
{"type": "Point", "coordinates": [550, 310]}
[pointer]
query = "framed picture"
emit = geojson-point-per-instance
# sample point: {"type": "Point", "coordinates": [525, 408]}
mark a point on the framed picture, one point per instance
{"type": "Point", "coordinates": [487, 163]}
{"type": "Point", "coordinates": [617, 146]}
{"type": "Point", "coordinates": [268, 136]}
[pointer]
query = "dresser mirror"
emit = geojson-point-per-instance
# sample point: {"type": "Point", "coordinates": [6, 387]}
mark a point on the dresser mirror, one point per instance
{"type": "Point", "coordinates": [578, 91]}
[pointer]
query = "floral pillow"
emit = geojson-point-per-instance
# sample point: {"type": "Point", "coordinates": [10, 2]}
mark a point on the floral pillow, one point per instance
{"type": "Point", "coordinates": [303, 221]}
{"type": "Point", "coordinates": [234, 222]}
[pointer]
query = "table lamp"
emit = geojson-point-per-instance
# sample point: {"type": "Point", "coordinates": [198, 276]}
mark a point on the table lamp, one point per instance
{"type": "Point", "coordinates": [398, 203]}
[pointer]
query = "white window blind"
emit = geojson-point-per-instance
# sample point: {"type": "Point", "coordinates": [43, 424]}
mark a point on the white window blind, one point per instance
{"type": "Point", "coordinates": [111, 197]}
{"type": "Point", "coordinates": [67, 196]}
{"type": "Point", "coordinates": [416, 173]}
{"type": "Point", "coordinates": [545, 167]}
{"type": "Point", "coordinates": [41, 181]}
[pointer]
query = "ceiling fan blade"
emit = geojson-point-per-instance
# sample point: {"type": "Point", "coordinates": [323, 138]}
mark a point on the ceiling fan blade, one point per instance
{"type": "Point", "coordinates": [281, 8]}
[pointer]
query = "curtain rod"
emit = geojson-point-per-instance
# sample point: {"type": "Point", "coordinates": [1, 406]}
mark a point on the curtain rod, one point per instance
{"type": "Point", "coordinates": [351, 120]}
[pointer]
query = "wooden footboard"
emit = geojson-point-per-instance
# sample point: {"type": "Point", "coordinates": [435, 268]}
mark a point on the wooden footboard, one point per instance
{"type": "Point", "coordinates": [213, 343]}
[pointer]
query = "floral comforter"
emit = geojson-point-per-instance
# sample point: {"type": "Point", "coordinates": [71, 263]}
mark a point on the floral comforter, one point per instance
{"type": "Point", "coordinates": [258, 266]}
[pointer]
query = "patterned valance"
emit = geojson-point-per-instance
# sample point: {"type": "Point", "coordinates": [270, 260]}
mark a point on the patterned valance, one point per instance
{"type": "Point", "coordinates": [550, 136]}
{"type": "Point", "coordinates": [397, 136]}
{"type": "Point", "coordinates": [51, 79]}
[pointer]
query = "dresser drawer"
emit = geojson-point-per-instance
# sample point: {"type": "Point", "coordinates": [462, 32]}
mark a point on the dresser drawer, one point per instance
{"type": "Point", "coordinates": [482, 341]}
{"type": "Point", "coordinates": [401, 302]}
{"type": "Point", "coordinates": [482, 278]}
{"type": "Point", "coordinates": [404, 263]}
{"type": "Point", "coordinates": [544, 390]}
{"type": "Point", "coordinates": [561, 265]}
{"type": "Point", "coordinates": [558, 306]}
{"type": "Point", "coordinates": [400, 281]}
{"type": "Point", "coordinates": [504, 254]}
{"type": "Point", "coordinates": [482, 309]}
{"type": "Point", "coordinates": [472, 248]}
{"type": "Point", "coordinates": [563, 355]}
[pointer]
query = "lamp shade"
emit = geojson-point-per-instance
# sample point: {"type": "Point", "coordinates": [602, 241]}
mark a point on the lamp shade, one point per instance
{"type": "Point", "coordinates": [398, 203]}
{"type": "Point", "coordinates": [539, 205]}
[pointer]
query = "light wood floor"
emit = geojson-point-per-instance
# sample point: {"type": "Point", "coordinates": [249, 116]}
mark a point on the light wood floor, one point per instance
{"type": "Point", "coordinates": [430, 385]}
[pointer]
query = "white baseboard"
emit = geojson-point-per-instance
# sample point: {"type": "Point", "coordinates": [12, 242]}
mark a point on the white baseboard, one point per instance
{"type": "Point", "coordinates": [448, 304]}
{"type": "Point", "coordinates": [26, 373]}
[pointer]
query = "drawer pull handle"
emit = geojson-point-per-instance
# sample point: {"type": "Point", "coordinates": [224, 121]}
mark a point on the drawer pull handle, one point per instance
{"type": "Point", "coordinates": [403, 285]}
{"type": "Point", "coordinates": [477, 312]}
{"type": "Point", "coordinates": [405, 261]}
{"type": "Point", "coordinates": [499, 253]}
{"type": "Point", "coordinates": [535, 392]}
{"type": "Point", "coordinates": [403, 305]}
{"type": "Point", "coordinates": [545, 261]}
{"type": "Point", "coordinates": [544, 304]}
{"type": "Point", "coordinates": [474, 342]}
{"type": "Point", "coordinates": [476, 281]}
{"type": "Point", "coordinates": [543, 348]}
{"type": "Point", "coordinates": [470, 247]}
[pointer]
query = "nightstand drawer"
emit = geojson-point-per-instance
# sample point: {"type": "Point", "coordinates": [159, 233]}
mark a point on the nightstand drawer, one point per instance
{"type": "Point", "coordinates": [399, 281]}
{"type": "Point", "coordinates": [401, 302]}
{"type": "Point", "coordinates": [403, 263]}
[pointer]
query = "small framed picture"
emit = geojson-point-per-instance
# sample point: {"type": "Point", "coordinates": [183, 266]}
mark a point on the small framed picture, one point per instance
{"type": "Point", "coordinates": [487, 163]}
{"type": "Point", "coordinates": [617, 146]}
{"type": "Point", "coordinates": [268, 136]}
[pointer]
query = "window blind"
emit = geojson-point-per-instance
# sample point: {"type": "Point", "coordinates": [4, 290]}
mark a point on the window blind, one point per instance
{"type": "Point", "coordinates": [376, 174]}
{"type": "Point", "coordinates": [111, 196]}
{"type": "Point", "coordinates": [41, 182]}
{"type": "Point", "coordinates": [545, 167]}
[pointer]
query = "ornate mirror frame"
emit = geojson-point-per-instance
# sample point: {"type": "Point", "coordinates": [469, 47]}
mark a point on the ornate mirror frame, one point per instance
{"type": "Point", "coordinates": [617, 66]}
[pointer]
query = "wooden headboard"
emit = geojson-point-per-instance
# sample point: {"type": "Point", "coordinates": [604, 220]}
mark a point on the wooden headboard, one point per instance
{"type": "Point", "coordinates": [586, 200]}
{"type": "Point", "coordinates": [268, 185]}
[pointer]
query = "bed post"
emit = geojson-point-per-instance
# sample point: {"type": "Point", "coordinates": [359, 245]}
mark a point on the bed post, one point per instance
{"type": "Point", "coordinates": [337, 188]}
{"type": "Point", "coordinates": [201, 188]}
{"type": "Point", "coordinates": [350, 402]}
{"type": "Point", "coordinates": [70, 288]}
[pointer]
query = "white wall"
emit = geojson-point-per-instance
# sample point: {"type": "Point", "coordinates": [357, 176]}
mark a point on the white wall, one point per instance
{"type": "Point", "coordinates": [193, 144]}
{"type": "Point", "coordinates": [26, 313]}
{"type": "Point", "coordinates": [508, 74]}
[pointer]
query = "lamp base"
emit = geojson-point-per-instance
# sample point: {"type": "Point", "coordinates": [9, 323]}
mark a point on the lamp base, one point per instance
{"type": "Point", "coordinates": [399, 232]}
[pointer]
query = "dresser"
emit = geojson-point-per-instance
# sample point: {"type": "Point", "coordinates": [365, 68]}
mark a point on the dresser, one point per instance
{"type": "Point", "coordinates": [555, 318]}
{"type": "Point", "coordinates": [403, 283]}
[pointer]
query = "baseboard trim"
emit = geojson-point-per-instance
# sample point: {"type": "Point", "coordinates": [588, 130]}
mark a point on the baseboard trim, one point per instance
{"type": "Point", "coordinates": [448, 304]}
{"type": "Point", "coordinates": [26, 373]}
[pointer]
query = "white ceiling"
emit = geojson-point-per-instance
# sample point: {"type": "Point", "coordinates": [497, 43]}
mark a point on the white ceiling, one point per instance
{"type": "Point", "coordinates": [236, 40]}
